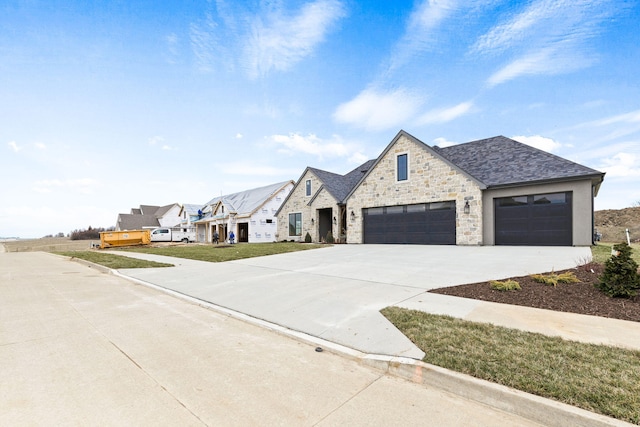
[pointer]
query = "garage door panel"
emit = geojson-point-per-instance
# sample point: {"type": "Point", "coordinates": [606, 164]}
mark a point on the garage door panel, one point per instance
{"type": "Point", "coordinates": [534, 223]}
{"type": "Point", "coordinates": [411, 224]}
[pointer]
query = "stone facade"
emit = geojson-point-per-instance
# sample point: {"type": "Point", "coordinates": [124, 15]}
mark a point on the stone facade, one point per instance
{"type": "Point", "coordinates": [430, 179]}
{"type": "Point", "coordinates": [299, 202]}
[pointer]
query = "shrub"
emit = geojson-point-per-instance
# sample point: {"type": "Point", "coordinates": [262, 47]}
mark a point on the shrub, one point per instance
{"type": "Point", "coordinates": [620, 277]}
{"type": "Point", "coordinates": [554, 278]}
{"type": "Point", "coordinates": [507, 285]}
{"type": "Point", "coordinates": [307, 238]}
{"type": "Point", "coordinates": [330, 237]}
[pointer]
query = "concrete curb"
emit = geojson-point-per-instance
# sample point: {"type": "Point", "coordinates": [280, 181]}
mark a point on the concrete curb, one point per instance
{"type": "Point", "coordinates": [538, 409]}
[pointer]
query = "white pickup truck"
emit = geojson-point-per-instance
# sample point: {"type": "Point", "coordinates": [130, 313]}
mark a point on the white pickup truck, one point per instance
{"type": "Point", "coordinates": [166, 234]}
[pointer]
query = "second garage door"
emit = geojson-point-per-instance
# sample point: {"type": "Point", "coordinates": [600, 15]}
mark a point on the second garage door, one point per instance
{"type": "Point", "coordinates": [421, 224]}
{"type": "Point", "coordinates": [535, 220]}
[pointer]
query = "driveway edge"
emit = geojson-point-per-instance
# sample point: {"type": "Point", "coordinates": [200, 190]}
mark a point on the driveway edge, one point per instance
{"type": "Point", "coordinates": [535, 408]}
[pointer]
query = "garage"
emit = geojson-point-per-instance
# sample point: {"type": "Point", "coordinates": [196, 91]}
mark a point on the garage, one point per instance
{"type": "Point", "coordinates": [534, 220]}
{"type": "Point", "coordinates": [420, 224]}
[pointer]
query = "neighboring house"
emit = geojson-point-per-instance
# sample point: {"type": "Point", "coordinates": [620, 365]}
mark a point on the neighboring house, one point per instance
{"type": "Point", "coordinates": [189, 214]}
{"type": "Point", "coordinates": [148, 216]}
{"type": "Point", "coordinates": [249, 214]}
{"type": "Point", "coordinates": [494, 191]}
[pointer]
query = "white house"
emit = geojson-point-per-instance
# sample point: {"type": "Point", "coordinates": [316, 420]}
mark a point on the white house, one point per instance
{"type": "Point", "coordinates": [249, 214]}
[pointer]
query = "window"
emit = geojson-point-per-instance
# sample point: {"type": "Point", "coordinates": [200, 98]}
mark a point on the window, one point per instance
{"type": "Point", "coordinates": [295, 224]}
{"type": "Point", "coordinates": [308, 187]}
{"type": "Point", "coordinates": [402, 167]}
{"type": "Point", "coordinates": [553, 198]}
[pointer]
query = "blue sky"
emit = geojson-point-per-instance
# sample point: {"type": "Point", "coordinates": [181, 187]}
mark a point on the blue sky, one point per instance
{"type": "Point", "coordinates": [109, 105]}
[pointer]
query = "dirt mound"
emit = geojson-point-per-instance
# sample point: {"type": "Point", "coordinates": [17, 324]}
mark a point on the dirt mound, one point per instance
{"type": "Point", "coordinates": [612, 223]}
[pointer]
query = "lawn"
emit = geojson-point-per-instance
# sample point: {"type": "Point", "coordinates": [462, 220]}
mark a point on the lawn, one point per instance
{"type": "Point", "coordinates": [112, 261]}
{"type": "Point", "coordinates": [602, 251]}
{"type": "Point", "coordinates": [221, 253]}
{"type": "Point", "coordinates": [597, 378]}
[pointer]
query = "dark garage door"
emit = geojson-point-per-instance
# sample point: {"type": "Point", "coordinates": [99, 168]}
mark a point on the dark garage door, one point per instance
{"type": "Point", "coordinates": [420, 224]}
{"type": "Point", "coordinates": [535, 220]}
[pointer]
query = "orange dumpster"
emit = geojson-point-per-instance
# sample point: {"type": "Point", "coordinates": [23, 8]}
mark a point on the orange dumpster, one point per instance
{"type": "Point", "coordinates": [110, 239]}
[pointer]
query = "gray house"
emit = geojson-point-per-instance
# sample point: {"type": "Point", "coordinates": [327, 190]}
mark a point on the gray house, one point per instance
{"type": "Point", "coordinates": [494, 191]}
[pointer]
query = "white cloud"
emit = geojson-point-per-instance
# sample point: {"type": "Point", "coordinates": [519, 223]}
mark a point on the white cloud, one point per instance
{"type": "Point", "coordinates": [444, 115]}
{"type": "Point", "coordinates": [622, 165]}
{"type": "Point", "coordinates": [238, 136]}
{"type": "Point", "coordinates": [552, 60]}
{"type": "Point", "coordinates": [443, 142]}
{"type": "Point", "coordinates": [40, 146]}
{"type": "Point", "coordinates": [14, 146]}
{"type": "Point", "coordinates": [313, 145]}
{"type": "Point", "coordinates": [155, 140]}
{"type": "Point", "coordinates": [374, 110]}
{"type": "Point", "coordinates": [278, 41]}
{"type": "Point", "coordinates": [539, 142]}
{"type": "Point", "coordinates": [553, 34]}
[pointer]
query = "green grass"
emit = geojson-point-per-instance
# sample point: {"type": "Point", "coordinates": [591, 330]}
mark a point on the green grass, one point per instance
{"type": "Point", "coordinates": [602, 252]}
{"type": "Point", "coordinates": [221, 253]}
{"type": "Point", "coordinates": [111, 260]}
{"type": "Point", "coordinates": [597, 378]}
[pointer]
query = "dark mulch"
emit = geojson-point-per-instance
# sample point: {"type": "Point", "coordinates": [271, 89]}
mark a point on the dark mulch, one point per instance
{"type": "Point", "coordinates": [582, 298]}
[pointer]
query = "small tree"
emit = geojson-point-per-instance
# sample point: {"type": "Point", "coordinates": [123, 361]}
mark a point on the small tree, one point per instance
{"type": "Point", "coordinates": [620, 277]}
{"type": "Point", "coordinates": [330, 237]}
{"type": "Point", "coordinates": [307, 238]}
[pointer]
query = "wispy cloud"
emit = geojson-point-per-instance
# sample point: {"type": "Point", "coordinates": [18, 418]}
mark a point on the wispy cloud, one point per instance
{"type": "Point", "coordinates": [444, 115]}
{"type": "Point", "coordinates": [551, 34]}
{"type": "Point", "coordinates": [278, 40]}
{"type": "Point", "coordinates": [270, 37]}
{"type": "Point", "coordinates": [14, 146]}
{"type": "Point", "coordinates": [312, 144]}
{"type": "Point", "coordinates": [622, 165]}
{"type": "Point", "coordinates": [378, 110]}
{"type": "Point", "coordinates": [253, 169]}
{"type": "Point", "coordinates": [539, 142]}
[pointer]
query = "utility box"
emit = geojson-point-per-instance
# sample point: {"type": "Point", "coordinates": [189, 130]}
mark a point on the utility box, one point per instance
{"type": "Point", "coordinates": [110, 239]}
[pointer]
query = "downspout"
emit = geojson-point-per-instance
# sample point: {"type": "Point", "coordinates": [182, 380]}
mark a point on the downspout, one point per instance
{"type": "Point", "coordinates": [593, 215]}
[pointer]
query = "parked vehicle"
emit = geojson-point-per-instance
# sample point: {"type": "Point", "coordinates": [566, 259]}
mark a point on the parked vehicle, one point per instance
{"type": "Point", "coordinates": [177, 234]}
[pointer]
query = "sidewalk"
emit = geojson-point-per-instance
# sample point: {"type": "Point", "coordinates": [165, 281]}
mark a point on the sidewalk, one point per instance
{"type": "Point", "coordinates": [79, 347]}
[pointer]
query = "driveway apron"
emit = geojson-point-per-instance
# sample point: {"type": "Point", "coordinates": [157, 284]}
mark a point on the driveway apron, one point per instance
{"type": "Point", "coordinates": [336, 293]}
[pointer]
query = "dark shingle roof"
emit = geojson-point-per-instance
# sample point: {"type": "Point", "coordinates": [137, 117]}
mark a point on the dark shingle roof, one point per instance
{"type": "Point", "coordinates": [341, 185]}
{"type": "Point", "coordinates": [501, 161]}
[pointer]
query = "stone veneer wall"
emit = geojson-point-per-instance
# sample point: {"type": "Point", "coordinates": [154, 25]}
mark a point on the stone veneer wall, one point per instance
{"type": "Point", "coordinates": [299, 202]}
{"type": "Point", "coordinates": [430, 180]}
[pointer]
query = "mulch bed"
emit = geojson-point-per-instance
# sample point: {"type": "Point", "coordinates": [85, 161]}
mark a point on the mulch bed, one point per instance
{"type": "Point", "coordinates": [582, 298]}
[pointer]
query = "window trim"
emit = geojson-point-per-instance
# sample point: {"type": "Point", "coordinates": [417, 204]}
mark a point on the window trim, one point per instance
{"type": "Point", "coordinates": [406, 171]}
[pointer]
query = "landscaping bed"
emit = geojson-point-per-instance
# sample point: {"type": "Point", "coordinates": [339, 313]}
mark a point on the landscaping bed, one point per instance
{"type": "Point", "coordinates": [582, 297]}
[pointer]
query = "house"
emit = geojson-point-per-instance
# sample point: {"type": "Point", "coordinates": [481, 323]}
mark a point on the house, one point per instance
{"type": "Point", "coordinates": [494, 191]}
{"type": "Point", "coordinates": [249, 214]}
{"type": "Point", "coordinates": [189, 214]}
{"type": "Point", "coordinates": [148, 216]}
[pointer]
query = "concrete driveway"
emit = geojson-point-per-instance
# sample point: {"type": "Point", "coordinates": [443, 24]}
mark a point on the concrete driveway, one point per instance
{"type": "Point", "coordinates": [335, 293]}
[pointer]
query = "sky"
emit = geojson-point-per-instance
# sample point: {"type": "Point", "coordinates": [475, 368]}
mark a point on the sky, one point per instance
{"type": "Point", "coordinates": [105, 106]}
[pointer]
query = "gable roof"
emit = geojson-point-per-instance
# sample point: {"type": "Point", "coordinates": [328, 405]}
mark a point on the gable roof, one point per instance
{"type": "Point", "coordinates": [339, 186]}
{"type": "Point", "coordinates": [501, 161]}
{"type": "Point", "coordinates": [136, 221]}
{"type": "Point", "coordinates": [248, 201]}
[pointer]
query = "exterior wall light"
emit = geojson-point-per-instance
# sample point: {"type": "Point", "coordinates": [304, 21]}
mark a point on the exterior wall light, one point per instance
{"type": "Point", "coordinates": [335, 221]}
{"type": "Point", "coordinates": [353, 215]}
{"type": "Point", "coordinates": [312, 221]}
{"type": "Point", "coordinates": [467, 208]}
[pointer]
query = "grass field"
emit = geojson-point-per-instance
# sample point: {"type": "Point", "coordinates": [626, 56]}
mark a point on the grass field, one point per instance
{"type": "Point", "coordinates": [221, 253]}
{"type": "Point", "coordinates": [597, 378]}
